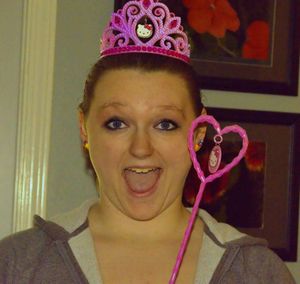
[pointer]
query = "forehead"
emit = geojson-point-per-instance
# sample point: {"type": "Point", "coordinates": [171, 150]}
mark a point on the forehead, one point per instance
{"type": "Point", "coordinates": [136, 88]}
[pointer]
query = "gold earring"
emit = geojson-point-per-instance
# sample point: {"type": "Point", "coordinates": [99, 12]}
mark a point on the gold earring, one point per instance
{"type": "Point", "coordinates": [86, 146]}
{"type": "Point", "coordinates": [198, 146]}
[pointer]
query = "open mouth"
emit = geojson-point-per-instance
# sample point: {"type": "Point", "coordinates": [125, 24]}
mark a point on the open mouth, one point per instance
{"type": "Point", "coordinates": [142, 181]}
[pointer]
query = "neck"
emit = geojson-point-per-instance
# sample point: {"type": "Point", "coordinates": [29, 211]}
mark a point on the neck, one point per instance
{"type": "Point", "coordinates": [106, 220]}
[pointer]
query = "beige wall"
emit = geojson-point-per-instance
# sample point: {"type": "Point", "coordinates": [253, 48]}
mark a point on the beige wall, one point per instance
{"type": "Point", "coordinates": [79, 26]}
{"type": "Point", "coordinates": [252, 101]}
{"type": "Point", "coordinates": [10, 46]}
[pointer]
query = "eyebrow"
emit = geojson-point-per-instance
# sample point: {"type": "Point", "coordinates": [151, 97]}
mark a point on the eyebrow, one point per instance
{"type": "Point", "coordinates": [166, 107]}
{"type": "Point", "coordinates": [172, 107]}
{"type": "Point", "coordinates": [112, 104]}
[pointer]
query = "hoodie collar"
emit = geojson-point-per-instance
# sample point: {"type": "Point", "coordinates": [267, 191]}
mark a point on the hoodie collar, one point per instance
{"type": "Point", "coordinates": [71, 223]}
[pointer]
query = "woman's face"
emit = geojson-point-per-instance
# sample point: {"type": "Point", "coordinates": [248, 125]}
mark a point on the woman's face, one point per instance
{"type": "Point", "coordinates": [140, 121]}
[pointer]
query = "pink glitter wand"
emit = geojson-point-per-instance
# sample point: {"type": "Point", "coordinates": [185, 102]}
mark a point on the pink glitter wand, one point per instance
{"type": "Point", "coordinates": [204, 180]}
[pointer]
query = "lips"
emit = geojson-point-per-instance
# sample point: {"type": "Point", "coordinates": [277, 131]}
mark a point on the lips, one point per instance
{"type": "Point", "coordinates": [141, 183]}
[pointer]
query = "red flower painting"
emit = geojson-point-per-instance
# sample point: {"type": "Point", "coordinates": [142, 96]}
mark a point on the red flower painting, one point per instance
{"type": "Point", "coordinates": [212, 16]}
{"type": "Point", "coordinates": [257, 41]}
{"type": "Point", "coordinates": [231, 30]}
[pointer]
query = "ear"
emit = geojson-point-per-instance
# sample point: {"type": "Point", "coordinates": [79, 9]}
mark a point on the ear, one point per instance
{"type": "Point", "coordinates": [200, 131]}
{"type": "Point", "coordinates": [82, 127]}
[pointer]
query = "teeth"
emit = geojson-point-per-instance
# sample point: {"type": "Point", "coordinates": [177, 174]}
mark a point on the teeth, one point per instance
{"type": "Point", "coordinates": [141, 171]}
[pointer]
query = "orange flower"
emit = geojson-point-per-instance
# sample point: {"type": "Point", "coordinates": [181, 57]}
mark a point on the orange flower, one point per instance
{"type": "Point", "coordinates": [256, 45]}
{"type": "Point", "coordinates": [255, 156]}
{"type": "Point", "coordinates": [212, 16]}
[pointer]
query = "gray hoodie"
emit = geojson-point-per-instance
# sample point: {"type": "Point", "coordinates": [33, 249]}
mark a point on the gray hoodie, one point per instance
{"type": "Point", "coordinates": [61, 251]}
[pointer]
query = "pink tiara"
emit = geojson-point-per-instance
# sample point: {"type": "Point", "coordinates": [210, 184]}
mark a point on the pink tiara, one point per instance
{"type": "Point", "coordinates": [145, 26]}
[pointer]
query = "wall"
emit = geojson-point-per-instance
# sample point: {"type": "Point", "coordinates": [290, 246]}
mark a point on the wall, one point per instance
{"type": "Point", "coordinates": [10, 47]}
{"type": "Point", "coordinates": [252, 101]}
{"type": "Point", "coordinates": [79, 26]}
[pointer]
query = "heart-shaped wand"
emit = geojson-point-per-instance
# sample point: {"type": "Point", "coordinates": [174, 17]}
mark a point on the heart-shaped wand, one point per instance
{"type": "Point", "coordinates": [214, 162]}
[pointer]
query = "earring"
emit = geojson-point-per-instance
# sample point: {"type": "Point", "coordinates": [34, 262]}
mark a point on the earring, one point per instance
{"type": "Point", "coordinates": [86, 146]}
{"type": "Point", "coordinates": [215, 156]}
{"type": "Point", "coordinates": [198, 146]}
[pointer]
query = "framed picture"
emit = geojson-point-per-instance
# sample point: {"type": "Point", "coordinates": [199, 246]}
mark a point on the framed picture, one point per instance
{"type": "Point", "coordinates": [248, 46]}
{"type": "Point", "coordinates": [260, 196]}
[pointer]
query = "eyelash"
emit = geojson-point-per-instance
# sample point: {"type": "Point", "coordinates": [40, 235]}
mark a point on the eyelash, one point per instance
{"type": "Point", "coordinates": [175, 125]}
{"type": "Point", "coordinates": [112, 120]}
{"type": "Point", "coordinates": [115, 119]}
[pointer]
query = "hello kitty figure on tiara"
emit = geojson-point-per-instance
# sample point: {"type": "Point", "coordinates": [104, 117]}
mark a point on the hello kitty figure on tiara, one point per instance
{"type": "Point", "coordinates": [144, 31]}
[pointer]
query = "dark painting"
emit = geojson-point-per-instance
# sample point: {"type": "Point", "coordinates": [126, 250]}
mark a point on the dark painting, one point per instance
{"type": "Point", "coordinates": [237, 197]}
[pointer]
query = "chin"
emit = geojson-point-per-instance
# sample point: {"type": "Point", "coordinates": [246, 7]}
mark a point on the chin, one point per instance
{"type": "Point", "coordinates": [142, 212]}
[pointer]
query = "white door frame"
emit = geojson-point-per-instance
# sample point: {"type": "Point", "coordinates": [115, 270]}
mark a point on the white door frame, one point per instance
{"type": "Point", "coordinates": [35, 108]}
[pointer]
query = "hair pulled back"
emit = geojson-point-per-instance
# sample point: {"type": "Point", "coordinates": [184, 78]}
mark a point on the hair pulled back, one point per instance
{"type": "Point", "coordinates": [145, 63]}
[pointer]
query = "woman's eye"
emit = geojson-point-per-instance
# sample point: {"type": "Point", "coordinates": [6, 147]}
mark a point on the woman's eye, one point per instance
{"type": "Point", "coordinates": [168, 125]}
{"type": "Point", "coordinates": [114, 124]}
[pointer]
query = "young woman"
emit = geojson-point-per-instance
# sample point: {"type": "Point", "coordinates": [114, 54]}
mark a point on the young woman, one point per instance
{"type": "Point", "coordinates": [140, 99]}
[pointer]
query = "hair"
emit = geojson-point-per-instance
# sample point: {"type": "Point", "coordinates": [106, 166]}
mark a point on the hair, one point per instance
{"type": "Point", "coordinates": [146, 63]}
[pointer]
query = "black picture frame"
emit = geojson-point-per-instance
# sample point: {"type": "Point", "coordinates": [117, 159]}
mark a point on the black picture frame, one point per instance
{"type": "Point", "coordinates": [282, 185]}
{"type": "Point", "coordinates": [279, 76]}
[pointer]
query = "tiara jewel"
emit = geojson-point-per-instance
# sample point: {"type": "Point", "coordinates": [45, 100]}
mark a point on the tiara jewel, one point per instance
{"type": "Point", "coordinates": [145, 26]}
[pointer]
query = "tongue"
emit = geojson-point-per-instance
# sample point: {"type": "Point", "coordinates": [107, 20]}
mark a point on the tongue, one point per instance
{"type": "Point", "coordinates": [141, 182]}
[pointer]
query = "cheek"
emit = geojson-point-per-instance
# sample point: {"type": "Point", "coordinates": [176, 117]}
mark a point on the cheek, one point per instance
{"type": "Point", "coordinates": [105, 154]}
{"type": "Point", "coordinates": [177, 153]}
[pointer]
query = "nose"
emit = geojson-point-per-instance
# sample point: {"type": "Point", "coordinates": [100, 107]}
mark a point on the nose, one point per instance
{"type": "Point", "coordinates": [141, 145]}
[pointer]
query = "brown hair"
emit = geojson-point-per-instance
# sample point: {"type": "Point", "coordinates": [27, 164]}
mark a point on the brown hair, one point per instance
{"type": "Point", "coordinates": [143, 62]}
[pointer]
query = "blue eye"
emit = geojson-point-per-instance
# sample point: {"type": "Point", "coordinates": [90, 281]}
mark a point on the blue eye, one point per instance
{"type": "Point", "coordinates": [168, 125]}
{"type": "Point", "coordinates": [114, 124]}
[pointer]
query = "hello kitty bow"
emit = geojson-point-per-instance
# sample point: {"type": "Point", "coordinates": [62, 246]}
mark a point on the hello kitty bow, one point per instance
{"type": "Point", "coordinates": [148, 27]}
{"type": "Point", "coordinates": [145, 26]}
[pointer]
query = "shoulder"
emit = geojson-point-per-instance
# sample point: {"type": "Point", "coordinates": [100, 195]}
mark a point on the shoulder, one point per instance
{"type": "Point", "coordinates": [262, 264]}
{"type": "Point", "coordinates": [21, 254]}
{"type": "Point", "coordinates": [18, 252]}
{"type": "Point", "coordinates": [29, 241]}
{"type": "Point", "coordinates": [249, 260]}
{"type": "Point", "coordinates": [43, 252]}
{"type": "Point", "coordinates": [21, 243]}
{"type": "Point", "coordinates": [246, 259]}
